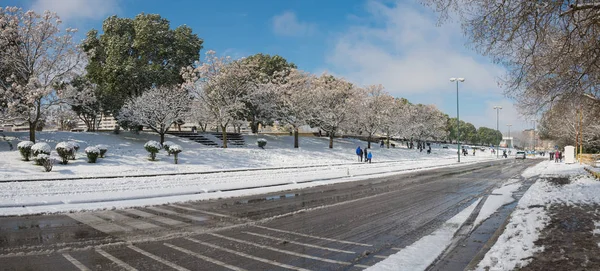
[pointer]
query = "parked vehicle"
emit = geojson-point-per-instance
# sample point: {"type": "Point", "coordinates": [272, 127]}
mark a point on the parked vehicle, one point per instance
{"type": "Point", "coordinates": [520, 155]}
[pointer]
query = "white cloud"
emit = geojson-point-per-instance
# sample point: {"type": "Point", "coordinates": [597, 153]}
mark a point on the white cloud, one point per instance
{"type": "Point", "coordinates": [287, 24]}
{"type": "Point", "coordinates": [507, 115]}
{"type": "Point", "coordinates": [76, 10]}
{"type": "Point", "coordinates": [403, 49]}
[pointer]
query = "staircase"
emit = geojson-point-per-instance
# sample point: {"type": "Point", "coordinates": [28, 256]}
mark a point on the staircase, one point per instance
{"type": "Point", "coordinates": [234, 139]}
{"type": "Point", "coordinates": [196, 138]}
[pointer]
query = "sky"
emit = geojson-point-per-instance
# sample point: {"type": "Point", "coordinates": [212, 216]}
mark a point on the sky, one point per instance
{"type": "Point", "coordinates": [398, 44]}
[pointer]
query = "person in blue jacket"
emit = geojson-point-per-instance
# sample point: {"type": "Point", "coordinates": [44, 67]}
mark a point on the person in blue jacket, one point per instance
{"type": "Point", "coordinates": [359, 152]}
{"type": "Point", "coordinates": [370, 156]}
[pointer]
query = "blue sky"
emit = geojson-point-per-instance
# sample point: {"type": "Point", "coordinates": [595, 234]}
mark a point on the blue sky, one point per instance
{"type": "Point", "coordinates": [394, 43]}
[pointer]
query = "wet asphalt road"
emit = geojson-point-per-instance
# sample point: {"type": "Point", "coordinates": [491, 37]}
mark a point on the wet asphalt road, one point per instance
{"type": "Point", "coordinates": [347, 226]}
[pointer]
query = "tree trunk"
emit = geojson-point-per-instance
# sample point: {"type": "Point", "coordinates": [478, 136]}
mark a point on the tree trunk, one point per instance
{"type": "Point", "coordinates": [388, 141]}
{"type": "Point", "coordinates": [253, 126]}
{"type": "Point", "coordinates": [32, 126]}
{"type": "Point", "coordinates": [162, 138]}
{"type": "Point", "coordinates": [224, 133]}
{"type": "Point", "coordinates": [296, 137]}
{"type": "Point", "coordinates": [369, 142]}
{"type": "Point", "coordinates": [331, 140]}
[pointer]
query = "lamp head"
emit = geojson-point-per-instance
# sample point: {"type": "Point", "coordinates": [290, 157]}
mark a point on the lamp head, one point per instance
{"type": "Point", "coordinates": [452, 79]}
{"type": "Point", "coordinates": [460, 79]}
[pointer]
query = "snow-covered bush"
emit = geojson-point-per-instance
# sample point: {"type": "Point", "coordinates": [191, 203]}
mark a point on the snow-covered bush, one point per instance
{"type": "Point", "coordinates": [39, 148]}
{"type": "Point", "coordinates": [75, 149]}
{"type": "Point", "coordinates": [103, 149]}
{"type": "Point", "coordinates": [45, 161]}
{"type": "Point", "coordinates": [175, 150]}
{"type": "Point", "coordinates": [65, 150]}
{"type": "Point", "coordinates": [25, 149]}
{"type": "Point", "coordinates": [152, 147]}
{"type": "Point", "coordinates": [92, 153]}
{"type": "Point", "coordinates": [166, 146]}
{"type": "Point", "coordinates": [261, 143]}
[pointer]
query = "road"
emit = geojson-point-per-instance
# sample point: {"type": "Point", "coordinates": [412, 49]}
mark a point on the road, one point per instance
{"type": "Point", "coordinates": [345, 226]}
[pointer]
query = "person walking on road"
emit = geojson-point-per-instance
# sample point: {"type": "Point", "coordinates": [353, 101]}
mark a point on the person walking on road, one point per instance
{"type": "Point", "coordinates": [366, 154]}
{"type": "Point", "coordinates": [359, 152]}
{"type": "Point", "coordinates": [369, 157]}
{"type": "Point", "coordinates": [556, 157]}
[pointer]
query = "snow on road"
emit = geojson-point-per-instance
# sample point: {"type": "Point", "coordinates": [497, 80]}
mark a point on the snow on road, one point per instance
{"type": "Point", "coordinates": [516, 244]}
{"type": "Point", "coordinates": [420, 254]}
{"type": "Point", "coordinates": [495, 200]}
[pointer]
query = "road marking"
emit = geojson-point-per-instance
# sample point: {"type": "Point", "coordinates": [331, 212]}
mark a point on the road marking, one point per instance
{"type": "Point", "coordinates": [158, 259]}
{"type": "Point", "coordinates": [164, 220]}
{"type": "Point", "coordinates": [169, 212]}
{"type": "Point", "coordinates": [361, 266]}
{"type": "Point", "coordinates": [312, 236]}
{"type": "Point", "coordinates": [396, 248]}
{"type": "Point", "coordinates": [75, 262]}
{"type": "Point", "coordinates": [279, 250]}
{"type": "Point", "coordinates": [129, 221]}
{"type": "Point", "coordinates": [246, 255]}
{"type": "Point", "coordinates": [298, 243]}
{"type": "Point", "coordinates": [200, 256]}
{"type": "Point", "coordinates": [120, 263]}
{"type": "Point", "coordinates": [200, 211]}
{"type": "Point", "coordinates": [98, 223]}
{"type": "Point", "coordinates": [380, 256]}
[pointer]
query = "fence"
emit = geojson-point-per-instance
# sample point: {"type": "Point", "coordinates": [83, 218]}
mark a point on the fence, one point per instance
{"type": "Point", "coordinates": [590, 159]}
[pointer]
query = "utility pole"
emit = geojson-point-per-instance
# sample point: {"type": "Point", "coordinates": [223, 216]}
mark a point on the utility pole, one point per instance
{"type": "Point", "coordinates": [498, 127]}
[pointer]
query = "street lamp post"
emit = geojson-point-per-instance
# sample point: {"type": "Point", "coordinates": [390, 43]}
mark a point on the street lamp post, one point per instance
{"type": "Point", "coordinates": [511, 143]}
{"type": "Point", "coordinates": [534, 137]}
{"type": "Point", "coordinates": [497, 125]}
{"type": "Point", "coordinates": [457, 113]}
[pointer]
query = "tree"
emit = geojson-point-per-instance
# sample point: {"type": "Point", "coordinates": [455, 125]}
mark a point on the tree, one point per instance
{"type": "Point", "coordinates": [426, 122]}
{"type": "Point", "coordinates": [267, 69]}
{"type": "Point", "coordinates": [395, 119]}
{"type": "Point", "coordinates": [333, 99]}
{"type": "Point", "coordinates": [220, 84]}
{"type": "Point", "coordinates": [134, 55]}
{"type": "Point", "coordinates": [372, 109]}
{"type": "Point", "coordinates": [37, 57]}
{"type": "Point", "coordinates": [292, 103]}
{"type": "Point", "coordinates": [157, 109]}
{"type": "Point", "coordinates": [82, 96]}
{"type": "Point", "coordinates": [63, 117]}
{"type": "Point", "coordinates": [550, 48]}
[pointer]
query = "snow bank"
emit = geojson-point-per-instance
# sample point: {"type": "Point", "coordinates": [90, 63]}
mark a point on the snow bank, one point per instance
{"type": "Point", "coordinates": [420, 254]}
{"type": "Point", "coordinates": [516, 244]}
{"type": "Point", "coordinates": [497, 199]}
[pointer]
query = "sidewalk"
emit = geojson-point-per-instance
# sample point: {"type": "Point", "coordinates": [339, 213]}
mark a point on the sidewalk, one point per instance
{"type": "Point", "coordinates": [555, 225]}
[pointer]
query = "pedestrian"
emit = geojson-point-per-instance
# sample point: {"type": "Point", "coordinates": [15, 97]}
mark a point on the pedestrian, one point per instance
{"type": "Point", "coordinates": [556, 157]}
{"type": "Point", "coordinates": [551, 156]}
{"type": "Point", "coordinates": [194, 129]}
{"type": "Point", "coordinates": [429, 149]}
{"type": "Point", "coordinates": [366, 154]}
{"type": "Point", "coordinates": [359, 152]}
{"type": "Point", "coordinates": [370, 156]}
{"type": "Point", "coordinates": [473, 151]}
{"type": "Point", "coordinates": [560, 156]}
{"type": "Point", "coordinates": [381, 144]}
{"type": "Point", "coordinates": [504, 154]}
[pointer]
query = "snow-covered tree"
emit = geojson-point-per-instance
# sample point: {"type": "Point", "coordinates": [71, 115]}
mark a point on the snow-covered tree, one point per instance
{"type": "Point", "coordinates": [372, 110]}
{"type": "Point", "coordinates": [426, 122]}
{"type": "Point", "coordinates": [220, 84]}
{"type": "Point", "coordinates": [157, 109]}
{"type": "Point", "coordinates": [63, 117]}
{"type": "Point", "coordinates": [333, 101]}
{"type": "Point", "coordinates": [292, 103]}
{"type": "Point", "coordinates": [82, 96]}
{"type": "Point", "coordinates": [36, 56]}
{"type": "Point", "coordinates": [395, 119]}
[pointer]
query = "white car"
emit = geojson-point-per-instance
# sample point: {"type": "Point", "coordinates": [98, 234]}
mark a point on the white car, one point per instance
{"type": "Point", "coordinates": [520, 155]}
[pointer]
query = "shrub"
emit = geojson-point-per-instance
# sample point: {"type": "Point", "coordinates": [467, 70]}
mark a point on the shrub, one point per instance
{"type": "Point", "coordinates": [261, 143]}
{"type": "Point", "coordinates": [39, 148]}
{"type": "Point", "coordinates": [45, 160]}
{"type": "Point", "coordinates": [152, 147]}
{"type": "Point", "coordinates": [92, 154]}
{"type": "Point", "coordinates": [65, 150]}
{"type": "Point", "coordinates": [117, 130]}
{"type": "Point", "coordinates": [25, 149]}
{"type": "Point", "coordinates": [103, 149]}
{"type": "Point", "coordinates": [166, 145]}
{"type": "Point", "coordinates": [75, 149]}
{"type": "Point", "coordinates": [175, 150]}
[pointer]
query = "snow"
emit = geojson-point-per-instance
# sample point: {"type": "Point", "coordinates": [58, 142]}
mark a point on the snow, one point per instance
{"type": "Point", "coordinates": [25, 144]}
{"type": "Point", "coordinates": [41, 148]}
{"type": "Point", "coordinates": [92, 149]}
{"type": "Point", "coordinates": [168, 144]}
{"type": "Point", "coordinates": [516, 244]}
{"type": "Point", "coordinates": [102, 147]}
{"type": "Point", "coordinates": [261, 140]}
{"type": "Point", "coordinates": [420, 254]}
{"type": "Point", "coordinates": [175, 148]}
{"type": "Point", "coordinates": [152, 144]}
{"type": "Point", "coordinates": [495, 200]}
{"type": "Point", "coordinates": [64, 145]}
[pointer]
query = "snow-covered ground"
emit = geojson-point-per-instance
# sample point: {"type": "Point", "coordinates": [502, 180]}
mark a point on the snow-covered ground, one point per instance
{"type": "Point", "coordinates": [516, 244]}
{"type": "Point", "coordinates": [126, 156]}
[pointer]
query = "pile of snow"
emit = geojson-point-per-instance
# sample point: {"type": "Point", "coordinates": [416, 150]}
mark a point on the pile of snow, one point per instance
{"type": "Point", "coordinates": [516, 244]}
{"type": "Point", "coordinates": [495, 200]}
{"type": "Point", "coordinates": [128, 156]}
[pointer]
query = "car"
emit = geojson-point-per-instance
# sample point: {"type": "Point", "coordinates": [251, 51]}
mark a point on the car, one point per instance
{"type": "Point", "coordinates": [520, 155]}
{"type": "Point", "coordinates": [445, 147]}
